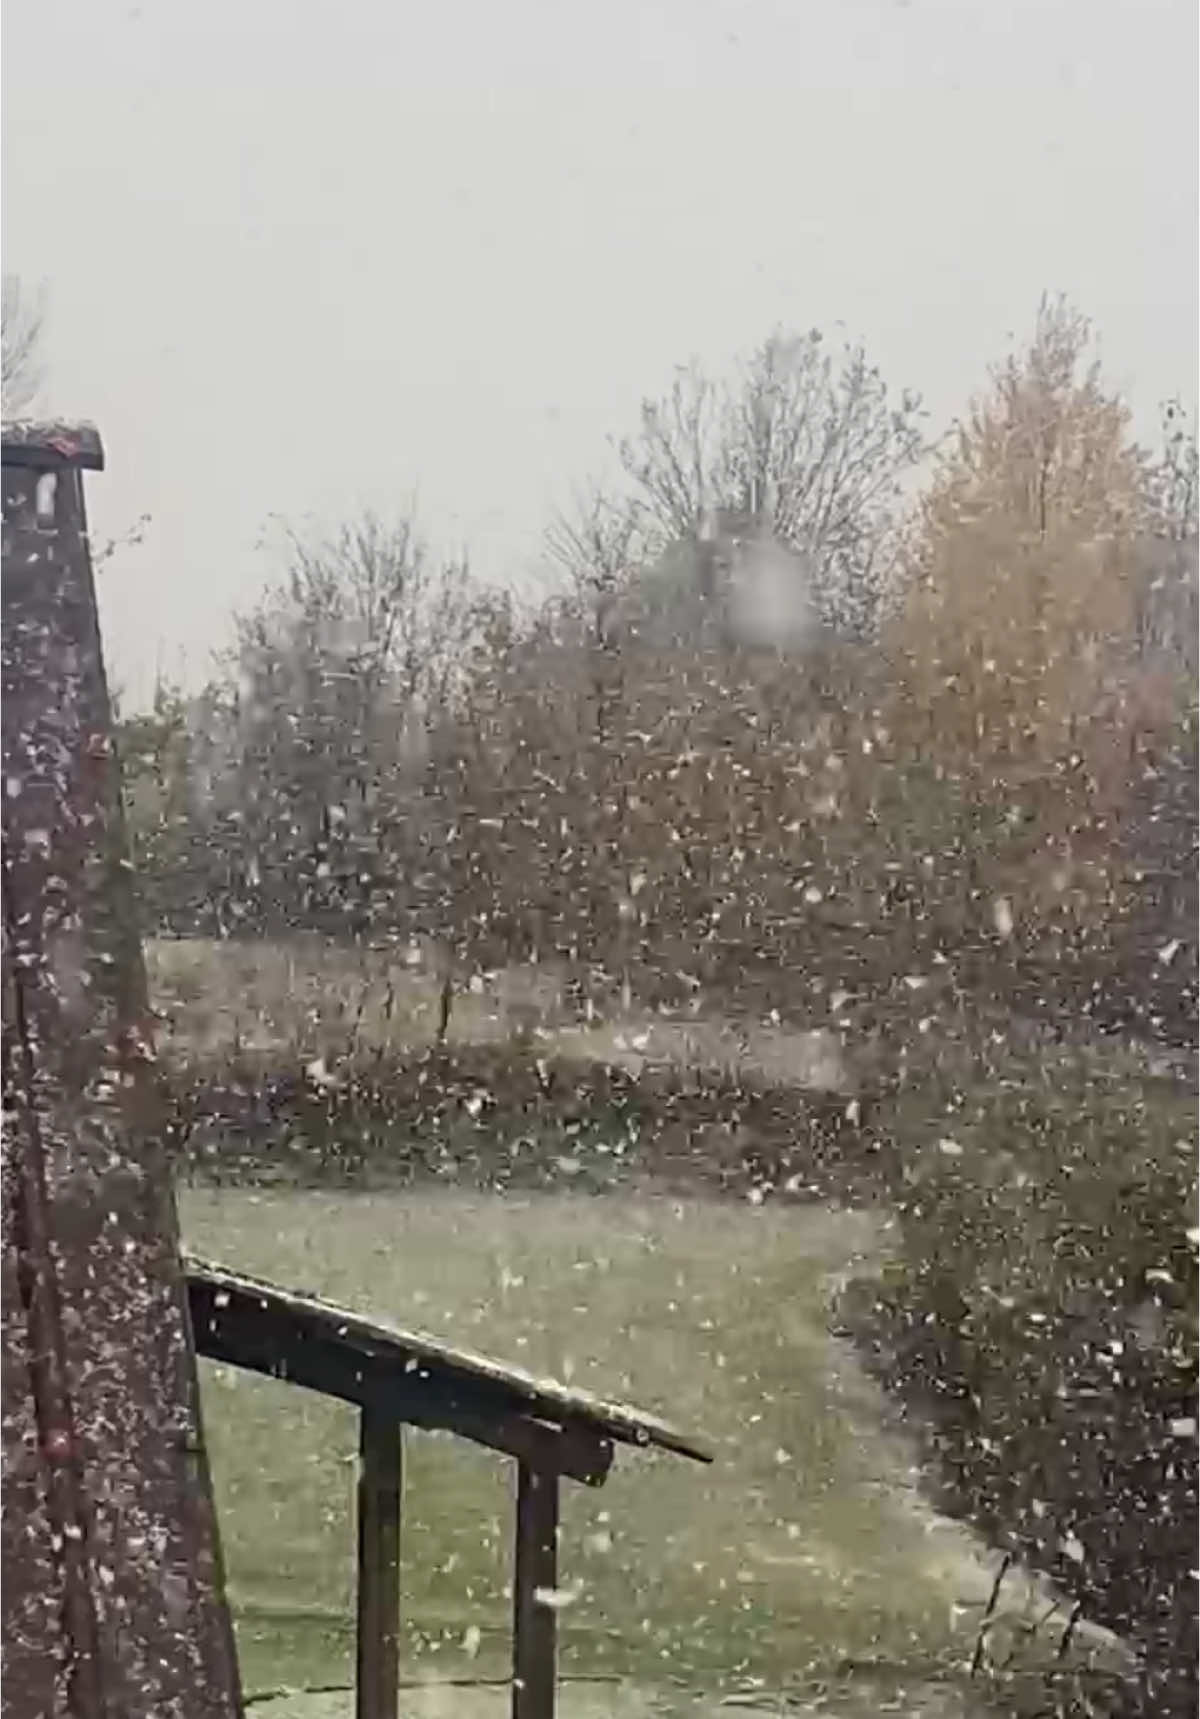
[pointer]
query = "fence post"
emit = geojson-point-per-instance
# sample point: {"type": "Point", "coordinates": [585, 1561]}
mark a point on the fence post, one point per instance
{"type": "Point", "coordinates": [380, 1503]}
{"type": "Point", "coordinates": [535, 1578]}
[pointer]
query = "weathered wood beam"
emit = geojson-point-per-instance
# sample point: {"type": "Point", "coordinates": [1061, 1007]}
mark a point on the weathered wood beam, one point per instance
{"type": "Point", "coordinates": [380, 1495]}
{"type": "Point", "coordinates": [49, 446]}
{"type": "Point", "coordinates": [298, 1318]}
{"type": "Point", "coordinates": [562, 1450]}
{"type": "Point", "coordinates": [243, 1336]}
{"type": "Point", "coordinates": [535, 1582]}
{"type": "Point", "coordinates": [102, 1441]}
{"type": "Point", "coordinates": [39, 1628]}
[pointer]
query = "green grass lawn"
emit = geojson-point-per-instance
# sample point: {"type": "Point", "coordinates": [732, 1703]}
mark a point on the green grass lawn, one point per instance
{"type": "Point", "coordinates": [801, 1548]}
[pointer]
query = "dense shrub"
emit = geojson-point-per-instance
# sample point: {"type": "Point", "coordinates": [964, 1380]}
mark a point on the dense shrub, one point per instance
{"type": "Point", "coordinates": [1039, 1319]}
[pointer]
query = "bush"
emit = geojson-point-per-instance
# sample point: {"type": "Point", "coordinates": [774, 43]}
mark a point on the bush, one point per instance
{"type": "Point", "coordinates": [1040, 1318]}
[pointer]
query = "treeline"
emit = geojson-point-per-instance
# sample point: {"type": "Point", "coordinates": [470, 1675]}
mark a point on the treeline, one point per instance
{"type": "Point", "coordinates": [781, 731]}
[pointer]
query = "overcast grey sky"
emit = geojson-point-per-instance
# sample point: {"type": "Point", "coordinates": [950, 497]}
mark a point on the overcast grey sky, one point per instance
{"type": "Point", "coordinates": [304, 257]}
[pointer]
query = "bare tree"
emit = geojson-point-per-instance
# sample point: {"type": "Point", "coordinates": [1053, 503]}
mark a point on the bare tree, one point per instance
{"type": "Point", "coordinates": [380, 600]}
{"type": "Point", "coordinates": [1169, 614]}
{"type": "Point", "coordinates": [807, 442]}
{"type": "Point", "coordinates": [599, 545]}
{"type": "Point", "coordinates": [22, 323]}
{"type": "Point", "coordinates": [1175, 476]}
{"type": "Point", "coordinates": [329, 694]}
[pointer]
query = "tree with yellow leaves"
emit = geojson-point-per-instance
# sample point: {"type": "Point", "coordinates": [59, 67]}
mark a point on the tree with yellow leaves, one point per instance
{"type": "Point", "coordinates": [1018, 680]}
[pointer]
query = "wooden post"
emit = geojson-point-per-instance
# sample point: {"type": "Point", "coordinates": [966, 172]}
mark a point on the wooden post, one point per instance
{"type": "Point", "coordinates": [380, 1491]}
{"type": "Point", "coordinates": [535, 1577]}
{"type": "Point", "coordinates": [108, 1530]}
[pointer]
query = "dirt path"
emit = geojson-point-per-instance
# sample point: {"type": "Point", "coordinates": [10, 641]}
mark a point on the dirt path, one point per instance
{"type": "Point", "coordinates": [307, 1001]}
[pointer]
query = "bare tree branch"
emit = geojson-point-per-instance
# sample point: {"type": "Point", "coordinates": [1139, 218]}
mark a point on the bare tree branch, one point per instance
{"type": "Point", "coordinates": [22, 323]}
{"type": "Point", "coordinates": [807, 441]}
{"type": "Point", "coordinates": [600, 547]}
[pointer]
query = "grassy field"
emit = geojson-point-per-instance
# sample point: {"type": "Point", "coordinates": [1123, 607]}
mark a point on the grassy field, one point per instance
{"type": "Point", "coordinates": [803, 1557]}
{"type": "Point", "coordinates": [805, 1560]}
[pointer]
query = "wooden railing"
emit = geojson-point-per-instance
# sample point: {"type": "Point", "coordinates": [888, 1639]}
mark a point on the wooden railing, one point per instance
{"type": "Point", "coordinates": [399, 1380]}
